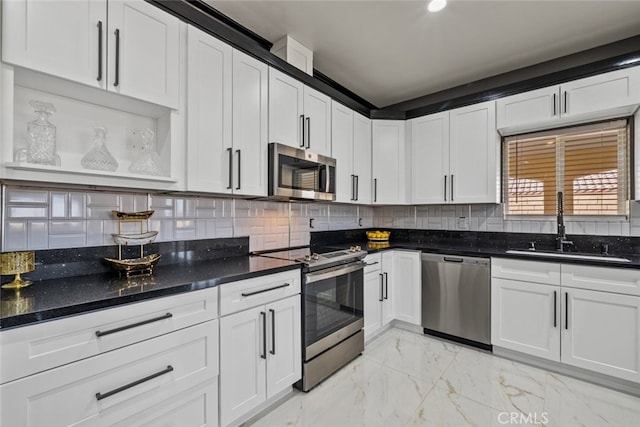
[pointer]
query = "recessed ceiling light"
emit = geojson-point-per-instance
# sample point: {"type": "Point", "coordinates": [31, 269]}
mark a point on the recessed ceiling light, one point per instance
{"type": "Point", "coordinates": [436, 5]}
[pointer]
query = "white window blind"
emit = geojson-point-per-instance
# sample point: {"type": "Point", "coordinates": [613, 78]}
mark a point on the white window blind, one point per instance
{"type": "Point", "coordinates": [589, 164]}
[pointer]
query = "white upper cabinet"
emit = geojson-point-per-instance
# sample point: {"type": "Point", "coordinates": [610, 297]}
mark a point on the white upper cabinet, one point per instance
{"type": "Point", "coordinates": [298, 115]}
{"type": "Point", "coordinates": [227, 118]}
{"type": "Point", "coordinates": [454, 156]}
{"type": "Point", "coordinates": [388, 165]}
{"type": "Point", "coordinates": [362, 157]}
{"type": "Point", "coordinates": [66, 39]}
{"type": "Point", "coordinates": [250, 110]}
{"type": "Point", "coordinates": [144, 48]}
{"type": "Point", "coordinates": [351, 147]}
{"type": "Point", "coordinates": [429, 158]}
{"type": "Point", "coordinates": [128, 47]}
{"type": "Point", "coordinates": [473, 150]}
{"type": "Point", "coordinates": [342, 142]}
{"type": "Point", "coordinates": [606, 95]}
{"type": "Point", "coordinates": [209, 144]}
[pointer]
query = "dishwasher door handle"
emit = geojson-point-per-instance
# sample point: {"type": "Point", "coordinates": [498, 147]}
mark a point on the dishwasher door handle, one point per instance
{"type": "Point", "coordinates": [449, 259]}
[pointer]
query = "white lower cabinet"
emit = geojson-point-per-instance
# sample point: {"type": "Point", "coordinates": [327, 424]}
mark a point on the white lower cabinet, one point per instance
{"type": "Point", "coordinates": [585, 328]}
{"type": "Point", "coordinates": [407, 287]}
{"type": "Point", "coordinates": [260, 346]}
{"type": "Point", "coordinates": [525, 317]}
{"type": "Point", "coordinates": [173, 376]}
{"type": "Point", "coordinates": [601, 332]}
{"type": "Point", "coordinates": [392, 290]}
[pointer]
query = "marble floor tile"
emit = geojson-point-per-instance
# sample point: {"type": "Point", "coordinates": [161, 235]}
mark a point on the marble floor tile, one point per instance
{"type": "Point", "coordinates": [404, 379]}
{"type": "Point", "coordinates": [571, 402]}
{"type": "Point", "coordinates": [413, 354]}
{"type": "Point", "coordinates": [499, 383]}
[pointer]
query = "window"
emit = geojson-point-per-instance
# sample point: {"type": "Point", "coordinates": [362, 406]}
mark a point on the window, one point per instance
{"type": "Point", "coordinates": [589, 164]}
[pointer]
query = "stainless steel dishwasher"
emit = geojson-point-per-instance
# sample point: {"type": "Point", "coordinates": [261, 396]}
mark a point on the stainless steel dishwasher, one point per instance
{"type": "Point", "coordinates": [456, 298]}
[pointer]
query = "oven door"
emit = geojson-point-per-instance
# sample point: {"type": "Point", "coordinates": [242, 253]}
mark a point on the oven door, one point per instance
{"type": "Point", "coordinates": [333, 306]}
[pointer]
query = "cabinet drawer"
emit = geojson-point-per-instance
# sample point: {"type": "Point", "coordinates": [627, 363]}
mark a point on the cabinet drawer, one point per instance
{"type": "Point", "coordinates": [43, 346]}
{"type": "Point", "coordinates": [113, 386]}
{"type": "Point", "coordinates": [619, 280]}
{"type": "Point", "coordinates": [373, 263]}
{"type": "Point", "coordinates": [531, 271]}
{"type": "Point", "coordinates": [249, 293]}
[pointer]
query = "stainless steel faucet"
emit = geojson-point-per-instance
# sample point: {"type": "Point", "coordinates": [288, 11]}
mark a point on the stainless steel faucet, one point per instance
{"type": "Point", "coordinates": [561, 238]}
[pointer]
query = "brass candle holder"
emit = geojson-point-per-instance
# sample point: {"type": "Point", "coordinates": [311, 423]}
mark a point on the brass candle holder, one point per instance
{"type": "Point", "coordinates": [17, 263]}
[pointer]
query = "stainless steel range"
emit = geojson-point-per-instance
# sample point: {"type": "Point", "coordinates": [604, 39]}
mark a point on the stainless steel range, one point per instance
{"type": "Point", "coordinates": [332, 309]}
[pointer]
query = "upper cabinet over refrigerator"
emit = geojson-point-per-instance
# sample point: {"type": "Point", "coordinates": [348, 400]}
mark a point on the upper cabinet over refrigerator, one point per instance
{"type": "Point", "coordinates": [299, 116]}
{"type": "Point", "coordinates": [127, 47]}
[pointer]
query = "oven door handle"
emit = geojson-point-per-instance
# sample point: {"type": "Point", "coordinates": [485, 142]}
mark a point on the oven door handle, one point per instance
{"type": "Point", "coordinates": [333, 272]}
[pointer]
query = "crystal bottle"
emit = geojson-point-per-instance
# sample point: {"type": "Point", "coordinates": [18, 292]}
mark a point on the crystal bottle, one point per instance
{"type": "Point", "coordinates": [148, 163]}
{"type": "Point", "coordinates": [99, 157]}
{"type": "Point", "coordinates": [41, 136]}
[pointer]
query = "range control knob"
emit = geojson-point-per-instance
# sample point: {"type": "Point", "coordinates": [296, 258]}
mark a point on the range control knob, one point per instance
{"type": "Point", "coordinates": [352, 248]}
{"type": "Point", "coordinates": [315, 256]}
{"type": "Point", "coordinates": [307, 257]}
{"type": "Point", "coordinates": [357, 248]}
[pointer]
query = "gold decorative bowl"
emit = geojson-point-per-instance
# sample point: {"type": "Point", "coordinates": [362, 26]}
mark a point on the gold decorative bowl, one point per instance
{"type": "Point", "coordinates": [135, 265]}
{"type": "Point", "coordinates": [378, 236]}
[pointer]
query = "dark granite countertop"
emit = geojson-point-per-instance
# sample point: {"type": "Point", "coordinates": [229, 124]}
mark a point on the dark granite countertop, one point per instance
{"type": "Point", "coordinates": [463, 249]}
{"type": "Point", "coordinates": [53, 298]}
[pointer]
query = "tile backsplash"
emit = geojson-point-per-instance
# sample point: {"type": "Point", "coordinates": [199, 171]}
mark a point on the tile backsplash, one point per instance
{"type": "Point", "coordinates": [34, 218]}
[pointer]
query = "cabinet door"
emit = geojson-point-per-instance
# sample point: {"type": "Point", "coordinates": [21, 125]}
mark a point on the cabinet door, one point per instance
{"type": "Point", "coordinates": [525, 317]}
{"type": "Point", "coordinates": [388, 161]}
{"type": "Point", "coordinates": [407, 287]}
{"type": "Point", "coordinates": [602, 92]}
{"type": "Point", "coordinates": [373, 297]}
{"type": "Point", "coordinates": [526, 108]}
{"type": "Point", "coordinates": [342, 144]}
{"type": "Point", "coordinates": [430, 159]}
{"type": "Point", "coordinates": [601, 332]}
{"type": "Point", "coordinates": [59, 38]}
{"type": "Point", "coordinates": [317, 111]}
{"type": "Point", "coordinates": [361, 157]}
{"type": "Point", "coordinates": [284, 361]}
{"type": "Point", "coordinates": [243, 363]}
{"type": "Point", "coordinates": [209, 123]}
{"type": "Point", "coordinates": [250, 100]}
{"type": "Point", "coordinates": [144, 52]}
{"type": "Point", "coordinates": [474, 172]}
{"type": "Point", "coordinates": [388, 296]}
{"type": "Point", "coordinates": [286, 109]}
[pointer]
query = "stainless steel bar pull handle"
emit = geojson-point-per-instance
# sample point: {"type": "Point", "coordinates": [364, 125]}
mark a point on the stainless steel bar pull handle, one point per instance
{"type": "Point", "coordinates": [381, 287]}
{"type": "Point", "coordinates": [133, 325]}
{"type": "Point", "coordinates": [555, 309]}
{"type": "Point", "coordinates": [263, 315]}
{"type": "Point", "coordinates": [565, 102]}
{"type": "Point", "coordinates": [554, 105]}
{"type": "Point", "coordinates": [452, 187]}
{"type": "Point", "coordinates": [308, 132]}
{"type": "Point", "coordinates": [99, 51]}
{"type": "Point", "coordinates": [248, 294]}
{"type": "Point", "coordinates": [239, 169]}
{"type": "Point", "coordinates": [445, 188]}
{"type": "Point", "coordinates": [116, 81]}
{"type": "Point", "coordinates": [375, 189]}
{"type": "Point", "coordinates": [273, 331]}
{"type": "Point", "coordinates": [230, 151]}
{"type": "Point", "coordinates": [386, 285]}
{"type": "Point", "coordinates": [100, 396]}
{"type": "Point", "coordinates": [566, 310]}
{"type": "Point", "coordinates": [302, 130]}
{"type": "Point", "coordinates": [357, 187]}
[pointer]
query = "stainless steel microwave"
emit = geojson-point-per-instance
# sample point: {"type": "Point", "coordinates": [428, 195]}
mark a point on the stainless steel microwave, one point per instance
{"type": "Point", "coordinates": [300, 174]}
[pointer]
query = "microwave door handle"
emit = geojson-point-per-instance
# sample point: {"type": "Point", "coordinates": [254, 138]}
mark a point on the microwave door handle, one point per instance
{"type": "Point", "coordinates": [327, 179]}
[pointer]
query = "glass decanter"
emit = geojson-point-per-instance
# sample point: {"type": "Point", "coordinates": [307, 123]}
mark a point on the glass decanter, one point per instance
{"type": "Point", "coordinates": [99, 158]}
{"type": "Point", "coordinates": [41, 136]}
{"type": "Point", "coordinates": [148, 163]}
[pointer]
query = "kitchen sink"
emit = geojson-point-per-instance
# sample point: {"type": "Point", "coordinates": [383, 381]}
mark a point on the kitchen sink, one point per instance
{"type": "Point", "coordinates": [568, 255]}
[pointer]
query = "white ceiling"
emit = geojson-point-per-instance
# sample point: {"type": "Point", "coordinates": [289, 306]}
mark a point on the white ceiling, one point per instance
{"type": "Point", "coordinates": [391, 51]}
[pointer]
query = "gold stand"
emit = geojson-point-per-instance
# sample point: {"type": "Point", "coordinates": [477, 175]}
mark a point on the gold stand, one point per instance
{"type": "Point", "coordinates": [17, 263]}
